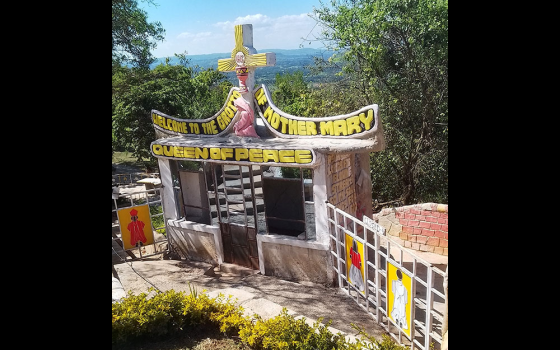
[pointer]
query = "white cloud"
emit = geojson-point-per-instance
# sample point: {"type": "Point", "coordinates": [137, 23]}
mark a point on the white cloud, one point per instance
{"type": "Point", "coordinates": [285, 32]}
{"type": "Point", "coordinates": [201, 35]}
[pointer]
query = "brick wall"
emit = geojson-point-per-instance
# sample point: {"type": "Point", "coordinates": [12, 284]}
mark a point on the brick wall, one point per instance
{"type": "Point", "coordinates": [422, 227]}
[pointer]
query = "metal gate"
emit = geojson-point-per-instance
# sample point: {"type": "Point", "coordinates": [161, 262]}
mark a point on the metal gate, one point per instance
{"type": "Point", "coordinates": [232, 191]}
{"type": "Point", "coordinates": [353, 242]}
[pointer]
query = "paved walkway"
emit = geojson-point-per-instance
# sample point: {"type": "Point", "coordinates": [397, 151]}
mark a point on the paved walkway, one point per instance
{"type": "Point", "coordinates": [257, 294]}
{"type": "Point", "coordinates": [263, 295]}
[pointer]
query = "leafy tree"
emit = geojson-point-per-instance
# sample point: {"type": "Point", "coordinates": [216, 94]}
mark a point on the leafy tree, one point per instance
{"type": "Point", "coordinates": [395, 54]}
{"type": "Point", "coordinates": [177, 90]}
{"type": "Point", "coordinates": [133, 37]}
{"type": "Point", "coordinates": [289, 90]}
{"type": "Point", "coordinates": [293, 95]}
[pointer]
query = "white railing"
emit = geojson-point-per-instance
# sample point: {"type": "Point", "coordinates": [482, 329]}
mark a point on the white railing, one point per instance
{"type": "Point", "coordinates": [415, 314]}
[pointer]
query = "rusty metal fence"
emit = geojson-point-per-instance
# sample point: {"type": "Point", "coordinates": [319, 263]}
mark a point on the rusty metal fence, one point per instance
{"type": "Point", "coordinates": [402, 292]}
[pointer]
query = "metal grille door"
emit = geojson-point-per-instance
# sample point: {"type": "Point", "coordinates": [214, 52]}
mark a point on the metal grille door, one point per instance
{"type": "Point", "coordinates": [233, 193]}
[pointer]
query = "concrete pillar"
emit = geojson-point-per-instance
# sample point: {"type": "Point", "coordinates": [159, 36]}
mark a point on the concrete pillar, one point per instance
{"type": "Point", "coordinates": [319, 198]}
{"type": "Point", "coordinates": [168, 194]}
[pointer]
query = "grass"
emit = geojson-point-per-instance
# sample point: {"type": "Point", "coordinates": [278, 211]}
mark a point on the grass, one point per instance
{"type": "Point", "coordinates": [126, 158]}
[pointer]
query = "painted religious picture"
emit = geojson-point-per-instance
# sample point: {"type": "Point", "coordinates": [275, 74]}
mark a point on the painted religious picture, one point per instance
{"type": "Point", "coordinates": [355, 264]}
{"type": "Point", "coordinates": [399, 307]}
{"type": "Point", "coordinates": [136, 226]}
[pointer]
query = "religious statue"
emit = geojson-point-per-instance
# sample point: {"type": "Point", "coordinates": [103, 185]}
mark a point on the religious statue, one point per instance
{"type": "Point", "coordinates": [241, 71]}
{"type": "Point", "coordinates": [244, 126]}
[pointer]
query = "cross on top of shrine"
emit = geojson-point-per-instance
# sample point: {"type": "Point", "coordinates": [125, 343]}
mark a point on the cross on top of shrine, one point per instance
{"type": "Point", "coordinates": [244, 58]}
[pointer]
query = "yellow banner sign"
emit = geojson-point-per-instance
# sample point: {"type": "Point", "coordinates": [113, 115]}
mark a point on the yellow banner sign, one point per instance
{"type": "Point", "coordinates": [216, 125]}
{"type": "Point", "coordinates": [359, 124]}
{"type": "Point", "coordinates": [136, 226]}
{"type": "Point", "coordinates": [355, 263]}
{"type": "Point", "coordinates": [234, 154]}
{"type": "Point", "coordinates": [399, 302]}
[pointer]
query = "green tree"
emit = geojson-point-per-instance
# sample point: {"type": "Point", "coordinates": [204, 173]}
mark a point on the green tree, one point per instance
{"type": "Point", "coordinates": [178, 90]}
{"type": "Point", "coordinates": [395, 53]}
{"type": "Point", "coordinates": [294, 95]}
{"type": "Point", "coordinates": [133, 36]}
{"type": "Point", "coordinates": [289, 92]}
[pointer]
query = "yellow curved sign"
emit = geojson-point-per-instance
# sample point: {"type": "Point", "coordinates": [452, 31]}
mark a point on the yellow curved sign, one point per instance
{"type": "Point", "coordinates": [359, 124]}
{"type": "Point", "coordinates": [216, 125]}
{"type": "Point", "coordinates": [236, 154]}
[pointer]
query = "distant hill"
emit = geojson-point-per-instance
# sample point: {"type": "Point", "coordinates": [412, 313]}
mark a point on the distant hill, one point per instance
{"type": "Point", "coordinates": [287, 61]}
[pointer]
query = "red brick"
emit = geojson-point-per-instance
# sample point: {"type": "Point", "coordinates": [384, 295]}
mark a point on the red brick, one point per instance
{"type": "Point", "coordinates": [426, 248]}
{"type": "Point", "coordinates": [410, 216]}
{"type": "Point", "coordinates": [445, 228]}
{"type": "Point", "coordinates": [403, 222]}
{"type": "Point", "coordinates": [431, 219]}
{"type": "Point", "coordinates": [424, 224]}
{"type": "Point", "coordinates": [417, 231]}
{"type": "Point", "coordinates": [443, 243]}
{"type": "Point", "coordinates": [428, 233]}
{"type": "Point", "coordinates": [433, 241]}
{"type": "Point", "coordinates": [438, 250]}
{"type": "Point", "coordinates": [427, 213]}
{"type": "Point", "coordinates": [442, 220]}
{"type": "Point", "coordinates": [441, 234]}
{"type": "Point", "coordinates": [407, 229]}
{"type": "Point", "coordinates": [446, 251]}
{"type": "Point", "coordinates": [435, 226]}
{"type": "Point", "coordinates": [415, 211]}
{"type": "Point", "coordinates": [421, 217]}
{"type": "Point", "coordinates": [413, 223]}
{"type": "Point", "coordinates": [421, 239]}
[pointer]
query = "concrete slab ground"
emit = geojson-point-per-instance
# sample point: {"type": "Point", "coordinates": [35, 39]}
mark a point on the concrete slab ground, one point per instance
{"type": "Point", "coordinates": [263, 295]}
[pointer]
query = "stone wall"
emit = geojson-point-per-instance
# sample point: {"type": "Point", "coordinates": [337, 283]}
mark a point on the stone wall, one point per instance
{"type": "Point", "coordinates": [195, 241]}
{"type": "Point", "coordinates": [422, 227]}
{"type": "Point", "coordinates": [295, 260]}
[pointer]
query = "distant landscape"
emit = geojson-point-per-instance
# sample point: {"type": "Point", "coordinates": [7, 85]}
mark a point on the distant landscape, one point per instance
{"type": "Point", "coordinates": [287, 61]}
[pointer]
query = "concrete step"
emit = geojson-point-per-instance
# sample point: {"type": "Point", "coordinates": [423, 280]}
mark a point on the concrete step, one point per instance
{"type": "Point", "coordinates": [234, 170]}
{"type": "Point", "coordinates": [234, 270]}
{"type": "Point", "coordinates": [238, 209]}
{"type": "Point", "coordinates": [246, 184]}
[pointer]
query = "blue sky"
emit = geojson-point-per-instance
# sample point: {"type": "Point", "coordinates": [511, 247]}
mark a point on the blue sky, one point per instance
{"type": "Point", "coordinates": [207, 26]}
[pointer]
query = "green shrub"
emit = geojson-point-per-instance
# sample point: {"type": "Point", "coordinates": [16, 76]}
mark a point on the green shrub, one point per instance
{"type": "Point", "coordinates": [370, 343]}
{"type": "Point", "coordinates": [165, 314]}
{"type": "Point", "coordinates": [284, 332]}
